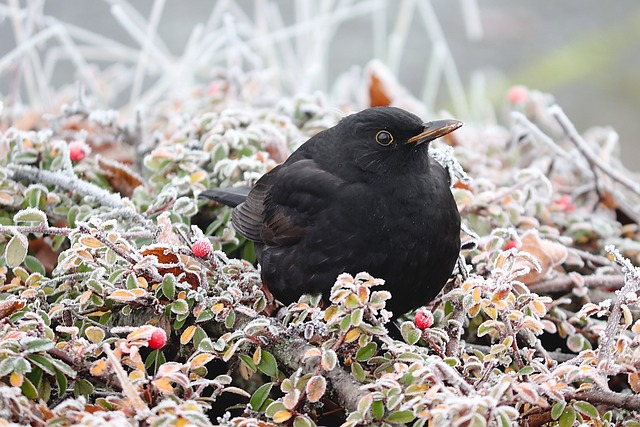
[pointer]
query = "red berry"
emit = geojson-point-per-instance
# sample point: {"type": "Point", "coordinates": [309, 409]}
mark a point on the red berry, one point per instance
{"type": "Point", "coordinates": [423, 319]}
{"type": "Point", "coordinates": [510, 245]}
{"type": "Point", "coordinates": [77, 150]}
{"type": "Point", "coordinates": [518, 94]}
{"type": "Point", "coordinates": [158, 339]}
{"type": "Point", "coordinates": [201, 248]}
{"type": "Point", "coordinates": [565, 204]}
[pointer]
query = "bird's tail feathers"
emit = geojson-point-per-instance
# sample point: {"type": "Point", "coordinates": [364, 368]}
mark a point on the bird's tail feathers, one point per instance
{"type": "Point", "coordinates": [230, 196]}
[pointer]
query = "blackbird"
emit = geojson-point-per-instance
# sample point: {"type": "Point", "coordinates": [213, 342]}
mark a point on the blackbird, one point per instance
{"type": "Point", "coordinates": [363, 195]}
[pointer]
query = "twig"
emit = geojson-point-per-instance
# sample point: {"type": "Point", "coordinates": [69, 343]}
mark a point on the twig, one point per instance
{"type": "Point", "coordinates": [455, 328]}
{"type": "Point", "coordinates": [129, 390]}
{"type": "Point", "coordinates": [585, 150]}
{"type": "Point", "coordinates": [75, 185]}
{"type": "Point", "coordinates": [42, 228]}
{"type": "Point", "coordinates": [555, 355]}
{"type": "Point", "coordinates": [632, 282]}
{"type": "Point", "coordinates": [499, 197]}
{"type": "Point", "coordinates": [566, 283]}
{"type": "Point", "coordinates": [604, 397]}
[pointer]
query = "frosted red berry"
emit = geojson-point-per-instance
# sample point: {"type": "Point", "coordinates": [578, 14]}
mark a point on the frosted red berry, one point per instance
{"type": "Point", "coordinates": [201, 248]}
{"type": "Point", "coordinates": [518, 94]}
{"type": "Point", "coordinates": [77, 150]}
{"type": "Point", "coordinates": [565, 204]}
{"type": "Point", "coordinates": [423, 319]}
{"type": "Point", "coordinates": [158, 339]}
{"type": "Point", "coordinates": [510, 245]}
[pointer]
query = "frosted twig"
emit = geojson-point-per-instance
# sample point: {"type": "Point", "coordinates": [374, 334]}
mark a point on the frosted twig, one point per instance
{"type": "Point", "coordinates": [150, 35]}
{"type": "Point", "coordinates": [398, 37]}
{"type": "Point", "coordinates": [566, 283]}
{"type": "Point", "coordinates": [451, 74]}
{"type": "Point", "coordinates": [631, 285]}
{"type": "Point", "coordinates": [518, 117]}
{"type": "Point", "coordinates": [582, 146]}
{"type": "Point", "coordinates": [472, 21]}
{"type": "Point", "coordinates": [127, 388]}
{"type": "Point", "coordinates": [75, 185]}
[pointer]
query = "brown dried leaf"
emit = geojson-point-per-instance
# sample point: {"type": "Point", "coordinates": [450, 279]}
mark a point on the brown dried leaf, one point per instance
{"type": "Point", "coordinates": [122, 178]}
{"type": "Point", "coordinates": [9, 306]}
{"type": "Point", "coordinates": [377, 95]}
{"type": "Point", "coordinates": [549, 254]}
{"type": "Point", "coordinates": [171, 263]}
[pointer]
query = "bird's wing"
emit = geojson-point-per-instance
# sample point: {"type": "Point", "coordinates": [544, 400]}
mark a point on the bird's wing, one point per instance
{"type": "Point", "coordinates": [285, 202]}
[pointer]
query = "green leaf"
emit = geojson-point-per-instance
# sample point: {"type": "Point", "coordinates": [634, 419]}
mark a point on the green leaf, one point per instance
{"type": "Point", "coordinates": [247, 360]}
{"type": "Point", "coordinates": [198, 336]}
{"type": "Point", "coordinates": [377, 409]}
{"type": "Point", "coordinates": [527, 370]}
{"type": "Point", "coordinates": [39, 344]}
{"type": "Point", "coordinates": [206, 346]}
{"type": "Point", "coordinates": [587, 409]}
{"type": "Point", "coordinates": [16, 250]}
{"type": "Point", "coordinates": [61, 381]}
{"type": "Point", "coordinates": [400, 417]}
{"type": "Point", "coordinates": [259, 397]}
{"type": "Point", "coordinates": [365, 353]}
{"type": "Point", "coordinates": [303, 421]}
{"type": "Point", "coordinates": [274, 407]}
{"type": "Point", "coordinates": [169, 286]}
{"type": "Point", "coordinates": [410, 333]}
{"type": "Point", "coordinates": [82, 387]}
{"type": "Point", "coordinates": [345, 323]}
{"type": "Point", "coordinates": [64, 368]}
{"type": "Point", "coordinates": [357, 371]}
{"type": "Point", "coordinates": [356, 316]}
{"type": "Point", "coordinates": [268, 364]}
{"type": "Point", "coordinates": [204, 316]}
{"type": "Point", "coordinates": [34, 265]}
{"type": "Point", "coordinates": [7, 365]}
{"type": "Point", "coordinates": [567, 418]}
{"type": "Point", "coordinates": [31, 216]}
{"type": "Point", "coordinates": [557, 409]}
{"type": "Point", "coordinates": [28, 389]}
{"type": "Point", "coordinates": [180, 306]}
{"type": "Point", "coordinates": [485, 327]}
{"type": "Point", "coordinates": [21, 366]}
{"type": "Point", "coordinates": [43, 362]}
{"type": "Point", "coordinates": [230, 320]}
{"type": "Point", "coordinates": [44, 390]}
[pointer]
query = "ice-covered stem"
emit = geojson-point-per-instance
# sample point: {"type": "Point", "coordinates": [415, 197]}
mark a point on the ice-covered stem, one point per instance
{"type": "Point", "coordinates": [75, 185]}
{"type": "Point", "coordinates": [42, 228]}
{"type": "Point", "coordinates": [514, 342]}
{"type": "Point", "coordinates": [455, 328]}
{"type": "Point", "coordinates": [631, 285]}
{"type": "Point", "coordinates": [566, 283]}
{"type": "Point", "coordinates": [584, 149]}
{"type": "Point", "coordinates": [127, 388]}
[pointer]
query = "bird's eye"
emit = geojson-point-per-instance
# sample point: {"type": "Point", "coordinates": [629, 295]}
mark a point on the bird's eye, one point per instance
{"type": "Point", "coordinates": [384, 137]}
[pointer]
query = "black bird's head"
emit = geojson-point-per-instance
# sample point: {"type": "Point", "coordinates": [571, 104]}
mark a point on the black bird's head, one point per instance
{"type": "Point", "coordinates": [384, 140]}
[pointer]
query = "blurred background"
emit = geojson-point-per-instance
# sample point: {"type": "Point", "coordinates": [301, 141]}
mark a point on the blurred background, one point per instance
{"type": "Point", "coordinates": [456, 55]}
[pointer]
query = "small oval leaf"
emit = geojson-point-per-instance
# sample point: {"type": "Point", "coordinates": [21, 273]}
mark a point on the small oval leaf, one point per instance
{"type": "Point", "coordinates": [316, 387]}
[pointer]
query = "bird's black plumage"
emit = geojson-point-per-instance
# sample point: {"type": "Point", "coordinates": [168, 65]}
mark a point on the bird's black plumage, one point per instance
{"type": "Point", "coordinates": [363, 195]}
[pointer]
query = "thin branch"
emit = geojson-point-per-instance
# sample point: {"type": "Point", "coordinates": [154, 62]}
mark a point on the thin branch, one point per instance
{"type": "Point", "coordinates": [76, 185]}
{"type": "Point", "coordinates": [585, 150]}
{"type": "Point", "coordinates": [566, 283]}
{"type": "Point", "coordinates": [604, 397]}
